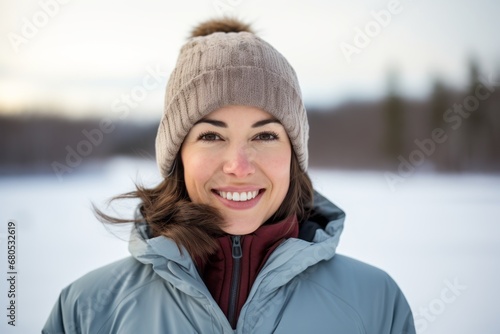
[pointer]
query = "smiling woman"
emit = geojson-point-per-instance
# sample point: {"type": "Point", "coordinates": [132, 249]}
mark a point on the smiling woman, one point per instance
{"type": "Point", "coordinates": [234, 239]}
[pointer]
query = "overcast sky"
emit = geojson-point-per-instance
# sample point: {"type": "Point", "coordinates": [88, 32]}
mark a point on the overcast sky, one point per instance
{"type": "Point", "coordinates": [82, 57]}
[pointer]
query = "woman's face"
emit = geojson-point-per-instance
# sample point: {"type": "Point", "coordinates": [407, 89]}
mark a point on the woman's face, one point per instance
{"type": "Point", "coordinates": [237, 159]}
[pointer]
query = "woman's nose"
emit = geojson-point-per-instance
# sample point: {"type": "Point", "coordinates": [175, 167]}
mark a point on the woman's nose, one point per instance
{"type": "Point", "coordinates": [239, 162]}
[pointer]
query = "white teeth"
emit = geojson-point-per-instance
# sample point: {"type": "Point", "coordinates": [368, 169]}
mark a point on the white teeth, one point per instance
{"type": "Point", "coordinates": [239, 197]}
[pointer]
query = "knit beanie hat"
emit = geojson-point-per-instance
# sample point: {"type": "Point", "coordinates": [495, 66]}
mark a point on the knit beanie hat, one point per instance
{"type": "Point", "coordinates": [224, 63]}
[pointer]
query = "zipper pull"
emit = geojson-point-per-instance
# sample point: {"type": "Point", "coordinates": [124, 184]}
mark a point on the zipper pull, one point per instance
{"type": "Point", "coordinates": [237, 253]}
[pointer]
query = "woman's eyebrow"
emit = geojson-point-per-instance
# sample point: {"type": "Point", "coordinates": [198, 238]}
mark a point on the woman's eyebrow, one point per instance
{"type": "Point", "coordinates": [213, 122]}
{"type": "Point", "coordinates": [264, 122]}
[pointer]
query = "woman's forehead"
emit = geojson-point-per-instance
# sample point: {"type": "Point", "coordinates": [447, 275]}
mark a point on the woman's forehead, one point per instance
{"type": "Point", "coordinates": [241, 114]}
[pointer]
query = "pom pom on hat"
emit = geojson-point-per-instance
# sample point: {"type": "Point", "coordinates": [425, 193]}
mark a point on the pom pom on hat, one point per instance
{"type": "Point", "coordinates": [225, 63]}
{"type": "Point", "coordinates": [220, 25]}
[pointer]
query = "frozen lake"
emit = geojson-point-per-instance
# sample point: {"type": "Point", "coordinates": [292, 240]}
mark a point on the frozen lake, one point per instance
{"type": "Point", "coordinates": [438, 236]}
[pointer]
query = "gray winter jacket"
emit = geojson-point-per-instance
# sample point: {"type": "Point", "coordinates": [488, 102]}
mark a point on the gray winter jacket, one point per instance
{"type": "Point", "coordinates": [303, 288]}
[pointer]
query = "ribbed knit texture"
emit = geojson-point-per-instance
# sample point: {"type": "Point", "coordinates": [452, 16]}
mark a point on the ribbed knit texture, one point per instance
{"type": "Point", "coordinates": [229, 69]}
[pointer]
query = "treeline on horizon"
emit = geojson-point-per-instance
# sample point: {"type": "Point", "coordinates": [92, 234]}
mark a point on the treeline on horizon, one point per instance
{"type": "Point", "coordinates": [448, 131]}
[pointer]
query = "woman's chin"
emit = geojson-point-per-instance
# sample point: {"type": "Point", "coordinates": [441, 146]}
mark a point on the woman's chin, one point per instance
{"type": "Point", "coordinates": [241, 228]}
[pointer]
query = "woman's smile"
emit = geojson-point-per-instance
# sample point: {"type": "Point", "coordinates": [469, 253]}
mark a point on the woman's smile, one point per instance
{"type": "Point", "coordinates": [237, 196]}
{"type": "Point", "coordinates": [236, 200]}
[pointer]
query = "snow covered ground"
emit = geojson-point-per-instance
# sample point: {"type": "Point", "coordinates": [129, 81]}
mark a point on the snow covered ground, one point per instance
{"type": "Point", "coordinates": [437, 235]}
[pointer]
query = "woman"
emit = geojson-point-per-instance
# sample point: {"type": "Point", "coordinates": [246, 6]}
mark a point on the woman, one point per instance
{"type": "Point", "coordinates": [234, 240]}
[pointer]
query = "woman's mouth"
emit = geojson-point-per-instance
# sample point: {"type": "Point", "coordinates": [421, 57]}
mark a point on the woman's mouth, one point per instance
{"type": "Point", "coordinates": [238, 196]}
{"type": "Point", "coordinates": [239, 200]}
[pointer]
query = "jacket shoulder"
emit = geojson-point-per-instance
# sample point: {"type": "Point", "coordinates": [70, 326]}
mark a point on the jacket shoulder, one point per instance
{"type": "Point", "coordinates": [345, 276]}
{"type": "Point", "coordinates": [368, 291]}
{"type": "Point", "coordinates": [358, 272]}
{"type": "Point", "coordinates": [128, 273]}
{"type": "Point", "coordinates": [86, 304]}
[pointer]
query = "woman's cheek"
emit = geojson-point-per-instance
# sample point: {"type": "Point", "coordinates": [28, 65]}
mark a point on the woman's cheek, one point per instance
{"type": "Point", "coordinates": [208, 159]}
{"type": "Point", "coordinates": [278, 159]}
{"type": "Point", "coordinates": [205, 166]}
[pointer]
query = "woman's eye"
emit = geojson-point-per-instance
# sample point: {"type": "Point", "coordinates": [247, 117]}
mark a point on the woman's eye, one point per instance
{"type": "Point", "coordinates": [209, 136]}
{"type": "Point", "coordinates": [267, 136]}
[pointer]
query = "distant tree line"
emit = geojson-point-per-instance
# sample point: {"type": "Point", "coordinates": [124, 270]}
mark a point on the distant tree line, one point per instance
{"type": "Point", "coordinates": [454, 131]}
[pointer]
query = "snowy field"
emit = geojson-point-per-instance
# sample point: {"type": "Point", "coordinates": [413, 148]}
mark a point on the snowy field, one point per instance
{"type": "Point", "coordinates": [437, 235]}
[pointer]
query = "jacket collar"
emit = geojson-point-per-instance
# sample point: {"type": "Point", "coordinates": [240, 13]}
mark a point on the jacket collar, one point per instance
{"type": "Point", "coordinates": [167, 260]}
{"type": "Point", "coordinates": [325, 221]}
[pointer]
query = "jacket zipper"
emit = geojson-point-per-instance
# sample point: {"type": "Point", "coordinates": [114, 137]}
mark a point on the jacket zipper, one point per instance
{"type": "Point", "coordinates": [235, 279]}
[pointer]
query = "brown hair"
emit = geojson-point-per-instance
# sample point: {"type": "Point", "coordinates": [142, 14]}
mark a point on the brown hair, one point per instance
{"type": "Point", "coordinates": [168, 210]}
